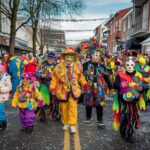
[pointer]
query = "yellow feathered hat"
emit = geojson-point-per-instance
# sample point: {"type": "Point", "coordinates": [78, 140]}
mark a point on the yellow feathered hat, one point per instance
{"type": "Point", "coordinates": [69, 51]}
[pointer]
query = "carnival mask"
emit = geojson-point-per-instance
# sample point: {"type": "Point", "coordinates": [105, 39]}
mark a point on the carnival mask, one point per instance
{"type": "Point", "coordinates": [69, 58]}
{"type": "Point", "coordinates": [96, 56]}
{"type": "Point", "coordinates": [130, 65]}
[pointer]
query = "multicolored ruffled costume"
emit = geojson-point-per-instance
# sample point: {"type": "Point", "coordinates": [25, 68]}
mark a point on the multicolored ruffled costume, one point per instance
{"type": "Point", "coordinates": [144, 69]}
{"type": "Point", "coordinates": [45, 68]}
{"type": "Point", "coordinates": [96, 76]}
{"type": "Point", "coordinates": [128, 101]}
{"type": "Point", "coordinates": [27, 99]}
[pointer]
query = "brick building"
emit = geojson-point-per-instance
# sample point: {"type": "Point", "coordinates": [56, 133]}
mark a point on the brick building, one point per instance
{"type": "Point", "coordinates": [114, 25]}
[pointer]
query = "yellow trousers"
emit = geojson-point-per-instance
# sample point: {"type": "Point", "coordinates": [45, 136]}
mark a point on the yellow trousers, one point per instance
{"type": "Point", "coordinates": [69, 111]}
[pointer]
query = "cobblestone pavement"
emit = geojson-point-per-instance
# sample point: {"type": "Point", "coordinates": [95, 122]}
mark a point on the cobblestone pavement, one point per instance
{"type": "Point", "coordinates": [49, 136]}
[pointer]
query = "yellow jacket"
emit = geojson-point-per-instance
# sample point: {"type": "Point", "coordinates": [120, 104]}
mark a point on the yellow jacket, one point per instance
{"type": "Point", "coordinates": [32, 93]}
{"type": "Point", "coordinates": [63, 86]}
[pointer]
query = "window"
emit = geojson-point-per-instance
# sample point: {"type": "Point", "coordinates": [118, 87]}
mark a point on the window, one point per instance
{"type": "Point", "coordinates": [145, 15]}
{"type": "Point", "coordinates": [129, 21]}
{"type": "Point", "coordinates": [124, 26]}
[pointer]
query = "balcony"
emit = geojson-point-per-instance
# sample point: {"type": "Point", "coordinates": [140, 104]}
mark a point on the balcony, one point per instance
{"type": "Point", "coordinates": [139, 28]}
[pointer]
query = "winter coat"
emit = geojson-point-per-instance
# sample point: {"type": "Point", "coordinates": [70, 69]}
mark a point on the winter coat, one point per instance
{"type": "Point", "coordinates": [5, 87]}
{"type": "Point", "coordinates": [61, 84]}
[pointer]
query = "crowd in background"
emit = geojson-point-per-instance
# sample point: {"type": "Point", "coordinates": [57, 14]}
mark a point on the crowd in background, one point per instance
{"type": "Point", "coordinates": [31, 83]}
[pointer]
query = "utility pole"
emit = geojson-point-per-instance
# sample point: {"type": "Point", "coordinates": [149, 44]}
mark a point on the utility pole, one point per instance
{"type": "Point", "coordinates": [0, 18]}
{"type": "Point", "coordinates": [1, 38]}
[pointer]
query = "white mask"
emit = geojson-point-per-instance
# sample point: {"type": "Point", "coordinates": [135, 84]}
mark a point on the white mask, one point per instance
{"type": "Point", "coordinates": [130, 65]}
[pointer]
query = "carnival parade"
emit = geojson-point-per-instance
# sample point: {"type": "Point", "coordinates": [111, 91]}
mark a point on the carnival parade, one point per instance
{"type": "Point", "coordinates": [91, 95]}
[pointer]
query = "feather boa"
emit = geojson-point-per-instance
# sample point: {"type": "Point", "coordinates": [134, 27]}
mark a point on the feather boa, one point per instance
{"type": "Point", "coordinates": [117, 112]}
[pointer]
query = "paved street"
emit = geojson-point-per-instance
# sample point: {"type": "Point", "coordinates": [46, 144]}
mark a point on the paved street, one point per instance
{"type": "Point", "coordinates": [49, 136]}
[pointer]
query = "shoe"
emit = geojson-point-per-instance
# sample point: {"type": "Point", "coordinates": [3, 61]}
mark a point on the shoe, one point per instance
{"type": "Point", "coordinates": [88, 121]}
{"type": "Point", "coordinates": [72, 129]}
{"type": "Point", "coordinates": [65, 127]}
{"type": "Point", "coordinates": [100, 124]}
{"type": "Point", "coordinates": [30, 130]}
{"type": "Point", "coordinates": [23, 130]}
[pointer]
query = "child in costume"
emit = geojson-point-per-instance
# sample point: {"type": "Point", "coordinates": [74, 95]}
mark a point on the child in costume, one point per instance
{"type": "Point", "coordinates": [44, 73]}
{"type": "Point", "coordinates": [5, 88]}
{"type": "Point", "coordinates": [128, 100]}
{"type": "Point", "coordinates": [96, 75]}
{"type": "Point", "coordinates": [65, 85]}
{"type": "Point", "coordinates": [27, 97]}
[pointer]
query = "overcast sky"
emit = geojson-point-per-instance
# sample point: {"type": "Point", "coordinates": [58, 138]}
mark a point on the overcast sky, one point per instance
{"type": "Point", "coordinates": [94, 9]}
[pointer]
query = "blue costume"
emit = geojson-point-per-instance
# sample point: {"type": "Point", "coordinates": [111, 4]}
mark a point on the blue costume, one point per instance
{"type": "Point", "coordinates": [15, 70]}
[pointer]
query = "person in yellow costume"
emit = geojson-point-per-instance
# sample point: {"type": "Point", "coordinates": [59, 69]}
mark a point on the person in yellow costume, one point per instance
{"type": "Point", "coordinates": [65, 85]}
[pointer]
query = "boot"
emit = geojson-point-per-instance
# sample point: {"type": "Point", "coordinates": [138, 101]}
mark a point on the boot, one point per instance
{"type": "Point", "coordinates": [4, 125]}
{"type": "Point", "coordinates": [43, 118]}
{"type": "Point", "coordinates": [30, 130]}
{"type": "Point", "coordinates": [130, 139]}
{"type": "Point", "coordinates": [123, 133]}
{"type": "Point", "coordinates": [0, 125]}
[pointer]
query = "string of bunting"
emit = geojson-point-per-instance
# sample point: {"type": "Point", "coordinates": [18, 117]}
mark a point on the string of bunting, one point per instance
{"type": "Point", "coordinates": [59, 40]}
{"type": "Point", "coordinates": [73, 20]}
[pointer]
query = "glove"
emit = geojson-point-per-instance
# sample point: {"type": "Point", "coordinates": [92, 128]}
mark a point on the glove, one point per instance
{"type": "Point", "coordinates": [53, 91]}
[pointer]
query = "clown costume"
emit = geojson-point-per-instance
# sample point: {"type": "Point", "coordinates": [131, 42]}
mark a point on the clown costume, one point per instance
{"type": "Point", "coordinates": [27, 97]}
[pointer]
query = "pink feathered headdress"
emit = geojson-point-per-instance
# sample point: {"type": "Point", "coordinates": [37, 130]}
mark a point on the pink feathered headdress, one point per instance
{"type": "Point", "coordinates": [28, 75]}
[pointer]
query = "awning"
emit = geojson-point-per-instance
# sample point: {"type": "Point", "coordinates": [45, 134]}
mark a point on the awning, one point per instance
{"type": "Point", "coordinates": [146, 42]}
{"type": "Point", "coordinates": [133, 43]}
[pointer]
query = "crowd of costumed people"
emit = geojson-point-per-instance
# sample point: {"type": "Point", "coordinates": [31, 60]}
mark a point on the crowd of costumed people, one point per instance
{"type": "Point", "coordinates": [50, 87]}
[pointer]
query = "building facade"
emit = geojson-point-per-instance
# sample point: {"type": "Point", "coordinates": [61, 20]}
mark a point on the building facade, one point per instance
{"type": "Point", "coordinates": [114, 25]}
{"type": "Point", "coordinates": [55, 40]}
{"type": "Point", "coordinates": [22, 35]}
{"type": "Point", "coordinates": [101, 32]}
{"type": "Point", "coordinates": [139, 31]}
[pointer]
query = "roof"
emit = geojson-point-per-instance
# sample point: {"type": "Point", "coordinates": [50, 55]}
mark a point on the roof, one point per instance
{"type": "Point", "coordinates": [112, 16]}
{"type": "Point", "coordinates": [129, 12]}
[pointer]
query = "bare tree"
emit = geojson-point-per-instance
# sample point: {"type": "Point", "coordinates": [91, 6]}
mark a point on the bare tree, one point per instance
{"type": "Point", "coordinates": [12, 9]}
{"type": "Point", "coordinates": [41, 40]}
{"type": "Point", "coordinates": [35, 10]}
{"type": "Point", "coordinates": [39, 9]}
